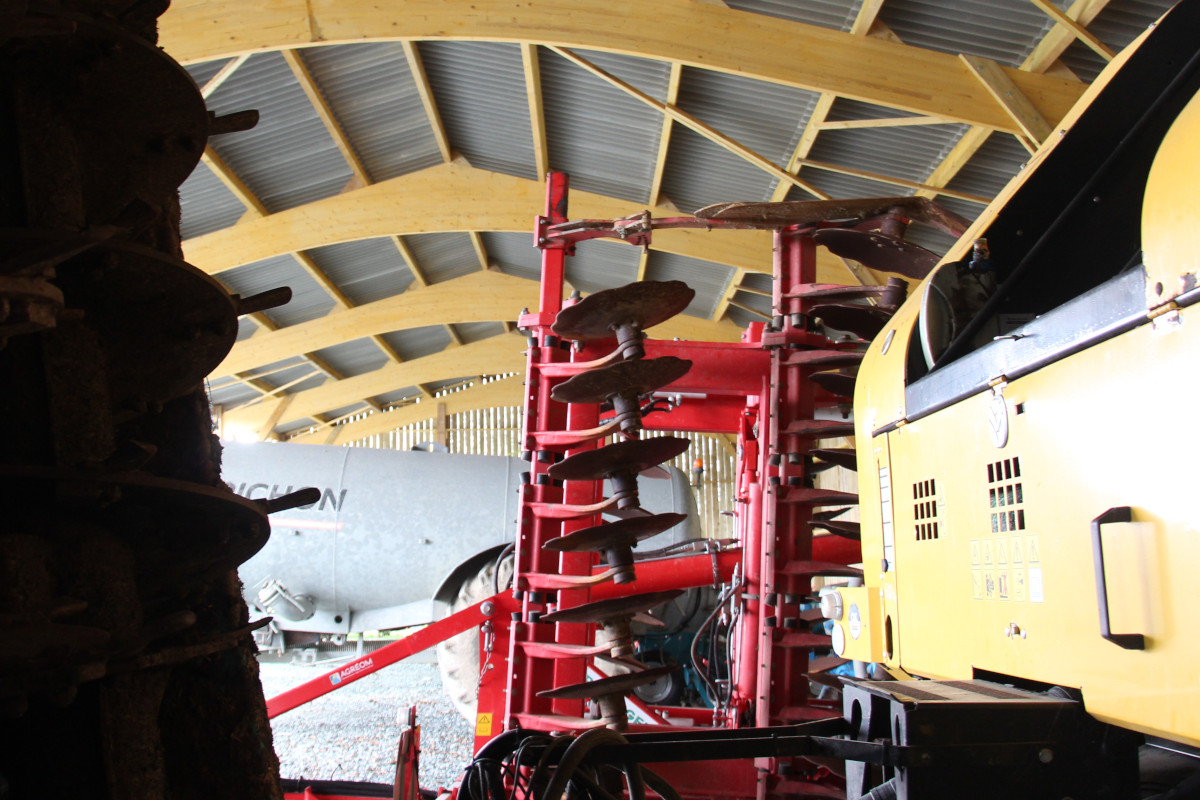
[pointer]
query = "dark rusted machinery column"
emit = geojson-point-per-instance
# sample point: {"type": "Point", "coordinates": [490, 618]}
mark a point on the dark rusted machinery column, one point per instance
{"type": "Point", "coordinates": [127, 669]}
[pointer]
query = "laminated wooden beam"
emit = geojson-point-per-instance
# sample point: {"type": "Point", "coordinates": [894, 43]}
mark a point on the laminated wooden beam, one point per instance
{"type": "Point", "coordinates": [695, 35]}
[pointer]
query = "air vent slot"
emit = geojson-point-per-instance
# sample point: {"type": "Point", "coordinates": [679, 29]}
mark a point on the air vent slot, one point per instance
{"type": "Point", "coordinates": [1006, 495]}
{"type": "Point", "coordinates": [927, 516]}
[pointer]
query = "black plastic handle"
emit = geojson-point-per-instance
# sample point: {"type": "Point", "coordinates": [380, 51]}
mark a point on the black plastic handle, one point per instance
{"type": "Point", "coordinates": [1130, 641]}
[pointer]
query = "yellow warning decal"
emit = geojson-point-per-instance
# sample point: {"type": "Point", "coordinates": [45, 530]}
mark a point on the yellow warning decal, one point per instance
{"type": "Point", "coordinates": [483, 725]}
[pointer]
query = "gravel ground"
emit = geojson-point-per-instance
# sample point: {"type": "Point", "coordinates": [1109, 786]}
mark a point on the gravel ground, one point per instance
{"type": "Point", "coordinates": [351, 734]}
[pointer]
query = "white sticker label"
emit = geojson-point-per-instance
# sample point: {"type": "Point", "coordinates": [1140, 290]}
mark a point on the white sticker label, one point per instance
{"type": "Point", "coordinates": [854, 621]}
{"type": "Point", "coordinates": [1035, 585]}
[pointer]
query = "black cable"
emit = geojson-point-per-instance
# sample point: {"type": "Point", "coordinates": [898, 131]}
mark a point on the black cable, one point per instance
{"type": "Point", "coordinates": [594, 789]}
{"type": "Point", "coordinates": [539, 771]}
{"type": "Point", "coordinates": [712, 689]}
{"type": "Point", "coordinates": [576, 753]}
{"type": "Point", "coordinates": [659, 784]}
{"type": "Point", "coordinates": [634, 783]}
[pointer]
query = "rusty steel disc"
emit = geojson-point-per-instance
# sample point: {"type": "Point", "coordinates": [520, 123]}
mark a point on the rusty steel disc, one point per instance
{"type": "Point", "coordinates": [624, 532]}
{"type": "Point", "coordinates": [819, 428]}
{"type": "Point", "coordinates": [863, 321]}
{"type": "Point", "coordinates": [633, 456]}
{"type": "Point", "coordinates": [878, 251]}
{"type": "Point", "coordinates": [642, 304]}
{"type": "Point", "coordinates": [628, 378]}
{"type": "Point", "coordinates": [612, 608]}
{"type": "Point", "coordinates": [143, 303]}
{"type": "Point", "coordinates": [835, 291]}
{"type": "Point", "coordinates": [614, 684]}
{"type": "Point", "coordinates": [131, 145]}
{"type": "Point", "coordinates": [838, 456]}
{"type": "Point", "coordinates": [802, 212]}
{"type": "Point", "coordinates": [839, 383]}
{"type": "Point", "coordinates": [843, 528]}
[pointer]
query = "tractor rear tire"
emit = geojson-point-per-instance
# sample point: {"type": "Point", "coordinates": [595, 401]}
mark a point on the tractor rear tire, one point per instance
{"type": "Point", "coordinates": [458, 656]}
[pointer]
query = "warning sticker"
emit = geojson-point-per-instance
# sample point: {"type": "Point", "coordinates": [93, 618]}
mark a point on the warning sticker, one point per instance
{"type": "Point", "coordinates": [483, 724]}
{"type": "Point", "coordinates": [1007, 568]}
{"type": "Point", "coordinates": [1036, 595]}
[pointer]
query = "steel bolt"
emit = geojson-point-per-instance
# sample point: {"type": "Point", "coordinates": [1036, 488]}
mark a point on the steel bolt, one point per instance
{"type": "Point", "coordinates": [488, 608]}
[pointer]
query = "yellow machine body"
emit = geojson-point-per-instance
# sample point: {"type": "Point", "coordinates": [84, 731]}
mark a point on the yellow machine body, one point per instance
{"type": "Point", "coordinates": [978, 504]}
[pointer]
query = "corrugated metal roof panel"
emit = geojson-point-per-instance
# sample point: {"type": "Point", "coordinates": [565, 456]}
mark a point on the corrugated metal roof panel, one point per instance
{"type": "Point", "coordinates": [741, 318]}
{"type": "Point", "coordinates": [246, 328]}
{"type": "Point", "coordinates": [755, 301]}
{"type": "Point", "coordinates": [366, 270]}
{"type": "Point", "coordinates": [418, 342]}
{"type": "Point", "coordinates": [964, 208]}
{"type": "Point", "coordinates": [265, 371]}
{"type": "Point", "coordinates": [372, 94]}
{"type": "Point", "coordinates": [709, 280]}
{"type": "Point", "coordinates": [596, 265]}
{"type": "Point", "coordinates": [309, 300]}
{"type": "Point", "coordinates": [836, 14]}
{"type": "Point", "coordinates": [477, 331]}
{"type": "Point", "coordinates": [288, 159]}
{"type": "Point", "coordinates": [605, 139]}
{"type": "Point", "coordinates": [759, 280]}
{"type": "Point", "coordinates": [1003, 30]}
{"type": "Point", "coordinates": [353, 358]}
{"type": "Point", "coordinates": [700, 173]}
{"type": "Point", "coordinates": [304, 375]}
{"type": "Point", "coordinates": [835, 184]}
{"type": "Point", "coordinates": [764, 117]}
{"type": "Point", "coordinates": [206, 205]}
{"type": "Point", "coordinates": [204, 72]}
{"type": "Point", "coordinates": [480, 92]}
{"type": "Point", "coordinates": [600, 265]}
{"type": "Point", "coordinates": [908, 152]}
{"type": "Point", "coordinates": [443, 256]}
{"type": "Point", "coordinates": [295, 426]}
{"type": "Point", "coordinates": [345, 411]}
{"type": "Point", "coordinates": [930, 238]}
{"type": "Point", "coordinates": [1117, 25]}
{"type": "Point", "coordinates": [995, 163]}
{"type": "Point", "coordinates": [232, 394]}
{"type": "Point", "coordinates": [515, 253]}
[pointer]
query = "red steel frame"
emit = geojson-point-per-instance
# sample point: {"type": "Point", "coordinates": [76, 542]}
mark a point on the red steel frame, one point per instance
{"type": "Point", "coordinates": [737, 383]}
{"type": "Point", "coordinates": [751, 389]}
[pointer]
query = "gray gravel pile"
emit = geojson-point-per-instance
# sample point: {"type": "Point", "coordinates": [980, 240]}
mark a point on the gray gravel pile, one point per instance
{"type": "Point", "coordinates": [351, 734]}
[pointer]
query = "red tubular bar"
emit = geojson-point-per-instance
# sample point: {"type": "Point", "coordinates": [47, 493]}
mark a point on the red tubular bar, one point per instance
{"type": "Point", "coordinates": [363, 666]}
{"type": "Point", "coordinates": [681, 572]}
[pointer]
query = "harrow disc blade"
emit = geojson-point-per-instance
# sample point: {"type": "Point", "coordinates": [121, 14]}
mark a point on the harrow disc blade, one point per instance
{"type": "Point", "coordinates": [643, 304]}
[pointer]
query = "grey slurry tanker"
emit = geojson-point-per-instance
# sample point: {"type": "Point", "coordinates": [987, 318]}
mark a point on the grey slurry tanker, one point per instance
{"type": "Point", "coordinates": [398, 538]}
